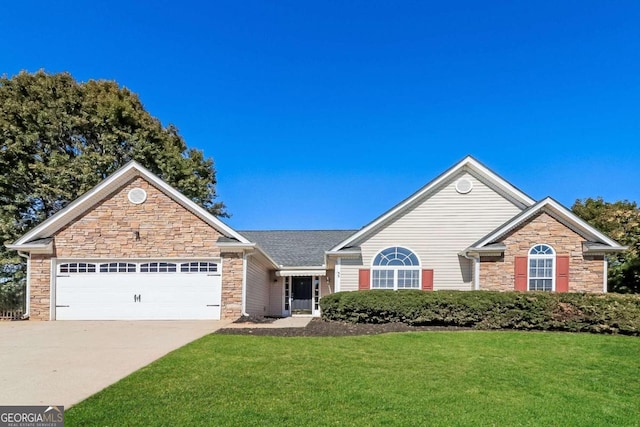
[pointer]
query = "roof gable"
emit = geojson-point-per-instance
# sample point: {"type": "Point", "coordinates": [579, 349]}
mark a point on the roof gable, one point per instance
{"type": "Point", "coordinates": [101, 191]}
{"type": "Point", "coordinates": [468, 164]}
{"type": "Point", "coordinates": [557, 211]}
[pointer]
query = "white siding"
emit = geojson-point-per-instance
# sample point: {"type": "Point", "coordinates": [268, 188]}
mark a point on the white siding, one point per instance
{"type": "Point", "coordinates": [257, 287]}
{"type": "Point", "coordinates": [349, 274]}
{"type": "Point", "coordinates": [276, 298]}
{"type": "Point", "coordinates": [437, 230]}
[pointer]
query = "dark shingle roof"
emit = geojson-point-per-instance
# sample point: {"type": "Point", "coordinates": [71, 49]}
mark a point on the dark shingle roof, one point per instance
{"type": "Point", "coordinates": [297, 248]}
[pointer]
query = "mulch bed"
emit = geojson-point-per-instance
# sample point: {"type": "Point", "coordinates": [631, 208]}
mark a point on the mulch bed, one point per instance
{"type": "Point", "coordinates": [324, 328]}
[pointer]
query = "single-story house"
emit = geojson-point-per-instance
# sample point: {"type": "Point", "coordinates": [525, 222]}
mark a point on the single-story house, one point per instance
{"type": "Point", "coordinates": [136, 248]}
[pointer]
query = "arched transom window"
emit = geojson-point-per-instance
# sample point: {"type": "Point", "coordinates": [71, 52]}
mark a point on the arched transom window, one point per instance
{"type": "Point", "coordinates": [541, 268]}
{"type": "Point", "coordinates": [395, 268]}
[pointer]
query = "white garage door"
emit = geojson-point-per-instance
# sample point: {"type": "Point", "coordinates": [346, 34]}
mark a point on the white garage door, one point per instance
{"type": "Point", "coordinates": [148, 290]}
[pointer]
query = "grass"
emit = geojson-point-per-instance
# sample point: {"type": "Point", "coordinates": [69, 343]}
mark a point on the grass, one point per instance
{"type": "Point", "coordinates": [430, 378]}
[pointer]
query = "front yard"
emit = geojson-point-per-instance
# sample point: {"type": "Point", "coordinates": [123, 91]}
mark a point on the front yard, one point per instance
{"type": "Point", "coordinates": [403, 379]}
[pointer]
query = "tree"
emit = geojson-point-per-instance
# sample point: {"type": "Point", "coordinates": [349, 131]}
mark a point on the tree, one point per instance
{"type": "Point", "coordinates": [59, 138]}
{"type": "Point", "coordinates": [620, 221]}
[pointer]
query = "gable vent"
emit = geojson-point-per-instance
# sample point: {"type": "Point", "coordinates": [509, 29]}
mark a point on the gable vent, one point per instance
{"type": "Point", "coordinates": [464, 185]}
{"type": "Point", "coordinates": [137, 196]}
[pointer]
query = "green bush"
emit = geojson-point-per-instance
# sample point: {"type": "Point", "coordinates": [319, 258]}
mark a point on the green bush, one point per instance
{"type": "Point", "coordinates": [11, 296]}
{"type": "Point", "coordinates": [599, 313]}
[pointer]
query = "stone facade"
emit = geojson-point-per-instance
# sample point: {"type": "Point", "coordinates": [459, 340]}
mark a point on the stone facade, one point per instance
{"type": "Point", "coordinates": [117, 228]}
{"type": "Point", "coordinates": [586, 273]}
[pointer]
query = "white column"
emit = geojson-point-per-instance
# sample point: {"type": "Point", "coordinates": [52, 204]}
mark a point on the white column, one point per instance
{"type": "Point", "coordinates": [336, 285]}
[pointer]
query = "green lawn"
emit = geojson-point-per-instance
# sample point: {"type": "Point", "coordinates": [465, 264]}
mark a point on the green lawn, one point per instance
{"type": "Point", "coordinates": [410, 379]}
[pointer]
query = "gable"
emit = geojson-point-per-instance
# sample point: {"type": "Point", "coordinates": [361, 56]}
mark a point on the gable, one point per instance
{"type": "Point", "coordinates": [443, 223]}
{"type": "Point", "coordinates": [468, 166]}
{"type": "Point", "coordinates": [103, 190]}
{"type": "Point", "coordinates": [117, 228]}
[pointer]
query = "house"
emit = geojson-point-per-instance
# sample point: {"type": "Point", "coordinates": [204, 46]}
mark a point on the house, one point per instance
{"type": "Point", "coordinates": [136, 248]}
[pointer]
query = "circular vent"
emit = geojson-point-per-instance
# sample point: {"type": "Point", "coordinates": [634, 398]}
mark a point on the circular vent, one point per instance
{"type": "Point", "coordinates": [137, 196]}
{"type": "Point", "coordinates": [464, 185]}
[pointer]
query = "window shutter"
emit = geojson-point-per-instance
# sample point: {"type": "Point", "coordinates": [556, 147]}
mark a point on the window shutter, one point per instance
{"type": "Point", "coordinates": [427, 280]}
{"type": "Point", "coordinates": [521, 273]}
{"type": "Point", "coordinates": [364, 279]}
{"type": "Point", "coordinates": [562, 273]}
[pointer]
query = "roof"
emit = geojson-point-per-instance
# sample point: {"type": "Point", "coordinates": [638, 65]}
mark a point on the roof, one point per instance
{"type": "Point", "coordinates": [468, 164]}
{"type": "Point", "coordinates": [600, 240]}
{"type": "Point", "coordinates": [297, 248]}
{"type": "Point", "coordinates": [123, 175]}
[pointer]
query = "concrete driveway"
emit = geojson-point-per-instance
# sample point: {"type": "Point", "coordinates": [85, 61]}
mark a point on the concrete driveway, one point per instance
{"type": "Point", "coordinates": [64, 362]}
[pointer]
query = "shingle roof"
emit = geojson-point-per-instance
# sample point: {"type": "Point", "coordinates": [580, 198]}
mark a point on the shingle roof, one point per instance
{"type": "Point", "coordinates": [297, 248]}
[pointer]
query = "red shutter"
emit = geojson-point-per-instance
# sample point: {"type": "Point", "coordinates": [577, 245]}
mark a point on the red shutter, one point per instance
{"type": "Point", "coordinates": [562, 273]}
{"type": "Point", "coordinates": [521, 273]}
{"type": "Point", "coordinates": [363, 280]}
{"type": "Point", "coordinates": [427, 280]}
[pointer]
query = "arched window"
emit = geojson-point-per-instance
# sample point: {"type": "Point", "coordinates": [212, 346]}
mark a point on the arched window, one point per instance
{"type": "Point", "coordinates": [395, 268]}
{"type": "Point", "coordinates": [542, 264]}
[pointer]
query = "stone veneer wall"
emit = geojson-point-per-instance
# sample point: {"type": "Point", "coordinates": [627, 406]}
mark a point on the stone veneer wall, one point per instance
{"type": "Point", "coordinates": [585, 272]}
{"type": "Point", "coordinates": [107, 230]}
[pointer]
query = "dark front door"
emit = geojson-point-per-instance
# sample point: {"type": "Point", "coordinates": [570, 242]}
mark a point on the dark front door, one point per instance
{"type": "Point", "coordinates": [302, 295]}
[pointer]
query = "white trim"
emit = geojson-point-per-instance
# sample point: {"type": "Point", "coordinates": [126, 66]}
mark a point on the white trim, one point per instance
{"type": "Point", "coordinates": [102, 190]}
{"type": "Point", "coordinates": [468, 163]}
{"type": "Point", "coordinates": [337, 270]}
{"type": "Point", "coordinates": [53, 294]}
{"type": "Point", "coordinates": [300, 273]}
{"type": "Point", "coordinates": [605, 278]}
{"type": "Point", "coordinates": [245, 263]}
{"type": "Point", "coordinates": [548, 203]}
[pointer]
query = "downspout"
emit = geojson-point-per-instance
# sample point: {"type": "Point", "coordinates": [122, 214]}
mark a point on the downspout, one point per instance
{"type": "Point", "coordinates": [245, 257]}
{"type": "Point", "coordinates": [605, 279]}
{"type": "Point", "coordinates": [27, 303]}
{"type": "Point", "coordinates": [476, 269]}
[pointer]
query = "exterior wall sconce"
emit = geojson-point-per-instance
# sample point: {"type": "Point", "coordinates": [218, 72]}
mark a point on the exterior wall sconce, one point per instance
{"type": "Point", "coordinates": [136, 235]}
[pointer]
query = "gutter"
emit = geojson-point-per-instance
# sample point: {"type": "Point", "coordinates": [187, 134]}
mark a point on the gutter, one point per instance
{"type": "Point", "coordinates": [27, 303]}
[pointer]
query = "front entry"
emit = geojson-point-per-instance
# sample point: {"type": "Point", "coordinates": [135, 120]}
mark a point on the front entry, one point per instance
{"type": "Point", "coordinates": [301, 298]}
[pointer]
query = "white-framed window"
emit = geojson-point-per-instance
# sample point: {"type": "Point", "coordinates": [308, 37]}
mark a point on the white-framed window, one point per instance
{"type": "Point", "coordinates": [77, 267]}
{"type": "Point", "coordinates": [198, 267]}
{"type": "Point", "coordinates": [395, 268]}
{"type": "Point", "coordinates": [542, 266]}
{"type": "Point", "coordinates": [118, 267]}
{"type": "Point", "coordinates": [158, 267]}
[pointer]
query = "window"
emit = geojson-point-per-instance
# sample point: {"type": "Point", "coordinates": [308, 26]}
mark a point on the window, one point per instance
{"type": "Point", "coordinates": [117, 267]}
{"type": "Point", "coordinates": [198, 267]}
{"type": "Point", "coordinates": [158, 267]}
{"type": "Point", "coordinates": [541, 268]}
{"type": "Point", "coordinates": [395, 268]}
{"type": "Point", "coordinates": [78, 267]}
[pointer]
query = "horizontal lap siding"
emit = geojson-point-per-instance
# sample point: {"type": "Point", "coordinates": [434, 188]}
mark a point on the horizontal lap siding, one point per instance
{"type": "Point", "coordinates": [257, 287]}
{"type": "Point", "coordinates": [437, 230]}
{"type": "Point", "coordinates": [276, 298]}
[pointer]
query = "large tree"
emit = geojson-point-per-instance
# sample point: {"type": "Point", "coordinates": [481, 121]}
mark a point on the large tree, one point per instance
{"type": "Point", "coordinates": [60, 137]}
{"type": "Point", "coordinates": [621, 221]}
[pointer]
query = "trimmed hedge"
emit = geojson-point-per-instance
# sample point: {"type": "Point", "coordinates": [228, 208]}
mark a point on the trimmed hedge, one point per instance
{"type": "Point", "coordinates": [574, 312]}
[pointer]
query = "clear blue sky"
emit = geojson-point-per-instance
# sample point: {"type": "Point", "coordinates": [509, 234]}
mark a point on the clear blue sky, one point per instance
{"type": "Point", "coordinates": [324, 114]}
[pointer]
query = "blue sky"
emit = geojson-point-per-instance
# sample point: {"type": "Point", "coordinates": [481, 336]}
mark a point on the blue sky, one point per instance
{"type": "Point", "coordinates": [326, 114]}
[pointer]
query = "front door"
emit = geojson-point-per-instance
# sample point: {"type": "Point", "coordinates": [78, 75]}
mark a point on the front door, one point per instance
{"type": "Point", "coordinates": [302, 299]}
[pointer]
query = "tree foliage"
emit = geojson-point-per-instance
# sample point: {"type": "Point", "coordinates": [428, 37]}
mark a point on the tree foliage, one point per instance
{"type": "Point", "coordinates": [621, 221]}
{"type": "Point", "coordinates": [59, 138]}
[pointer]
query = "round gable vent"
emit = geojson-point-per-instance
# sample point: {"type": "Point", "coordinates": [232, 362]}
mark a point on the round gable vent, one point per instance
{"type": "Point", "coordinates": [137, 196]}
{"type": "Point", "coordinates": [464, 185]}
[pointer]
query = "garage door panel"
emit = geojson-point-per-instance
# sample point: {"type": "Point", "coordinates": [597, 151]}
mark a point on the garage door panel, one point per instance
{"type": "Point", "coordinates": [138, 296]}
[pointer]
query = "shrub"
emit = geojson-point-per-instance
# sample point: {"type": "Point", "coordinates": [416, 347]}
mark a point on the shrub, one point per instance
{"type": "Point", "coordinates": [575, 312]}
{"type": "Point", "coordinates": [11, 296]}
